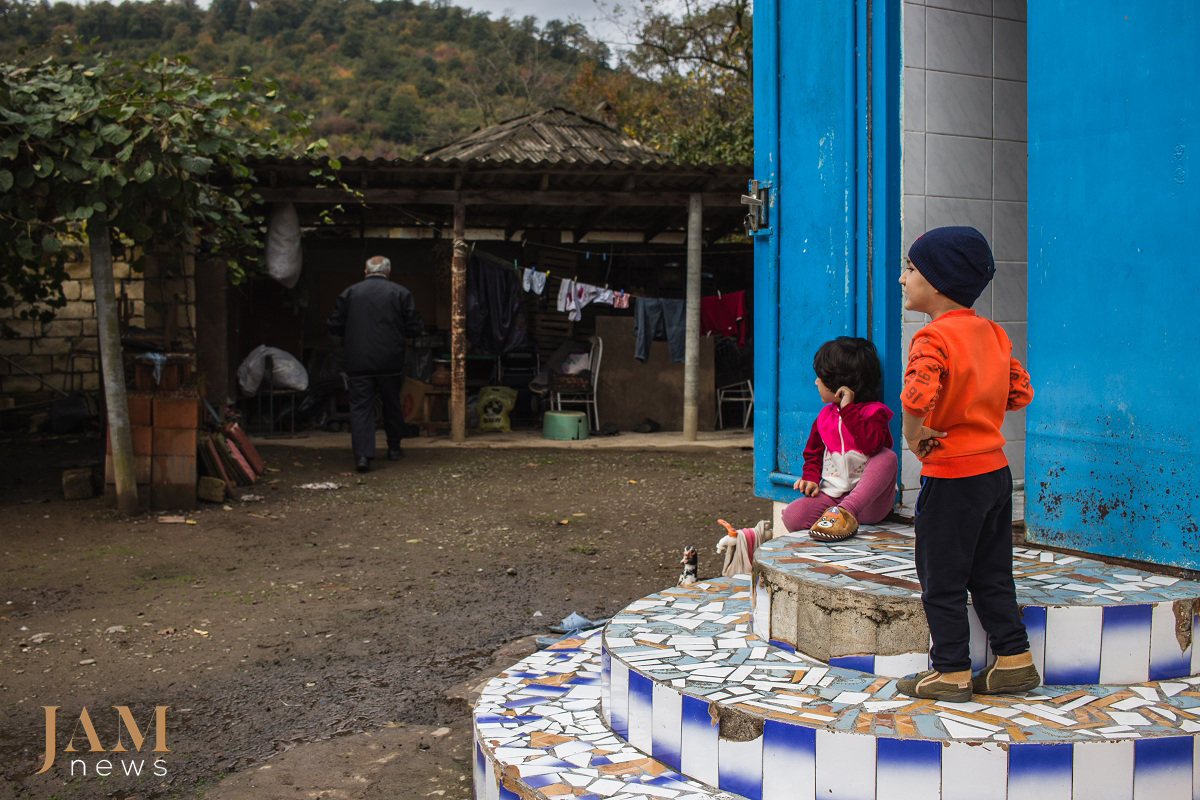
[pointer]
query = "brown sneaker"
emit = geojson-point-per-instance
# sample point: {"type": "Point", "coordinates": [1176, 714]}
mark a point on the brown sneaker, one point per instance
{"type": "Point", "coordinates": [834, 525]}
{"type": "Point", "coordinates": [949, 687]}
{"type": "Point", "coordinates": [1008, 675]}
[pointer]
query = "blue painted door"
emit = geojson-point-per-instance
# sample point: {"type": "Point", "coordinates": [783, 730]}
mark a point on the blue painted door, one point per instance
{"type": "Point", "coordinates": [1113, 434]}
{"type": "Point", "coordinates": [827, 144]}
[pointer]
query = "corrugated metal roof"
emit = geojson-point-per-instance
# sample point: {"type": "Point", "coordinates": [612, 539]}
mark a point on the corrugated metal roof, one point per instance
{"type": "Point", "coordinates": [555, 137]}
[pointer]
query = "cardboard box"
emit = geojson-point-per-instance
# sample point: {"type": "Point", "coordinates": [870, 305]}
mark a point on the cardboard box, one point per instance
{"type": "Point", "coordinates": [412, 400]}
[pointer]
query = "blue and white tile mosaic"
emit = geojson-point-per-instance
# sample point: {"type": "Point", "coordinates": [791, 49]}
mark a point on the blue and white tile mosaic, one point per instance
{"type": "Point", "coordinates": [1089, 622]}
{"type": "Point", "coordinates": [830, 731]}
{"type": "Point", "coordinates": [539, 733]}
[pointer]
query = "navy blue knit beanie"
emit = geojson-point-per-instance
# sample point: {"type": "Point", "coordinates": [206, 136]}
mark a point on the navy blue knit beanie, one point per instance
{"type": "Point", "coordinates": [956, 260]}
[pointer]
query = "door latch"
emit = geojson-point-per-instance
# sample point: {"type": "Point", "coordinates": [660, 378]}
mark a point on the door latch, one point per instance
{"type": "Point", "coordinates": [758, 203]}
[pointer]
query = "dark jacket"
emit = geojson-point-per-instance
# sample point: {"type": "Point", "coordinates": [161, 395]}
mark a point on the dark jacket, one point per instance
{"type": "Point", "coordinates": [373, 318]}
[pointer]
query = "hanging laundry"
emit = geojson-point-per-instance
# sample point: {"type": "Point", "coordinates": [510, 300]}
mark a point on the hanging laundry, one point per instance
{"type": "Point", "coordinates": [621, 300]}
{"type": "Point", "coordinates": [573, 296]}
{"type": "Point", "coordinates": [656, 318]}
{"type": "Point", "coordinates": [584, 293]}
{"type": "Point", "coordinates": [566, 296]}
{"type": "Point", "coordinates": [724, 315]}
{"type": "Point", "coordinates": [495, 314]}
{"type": "Point", "coordinates": [533, 281]}
{"type": "Point", "coordinates": [604, 296]}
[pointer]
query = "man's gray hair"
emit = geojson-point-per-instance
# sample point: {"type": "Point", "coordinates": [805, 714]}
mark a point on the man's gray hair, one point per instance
{"type": "Point", "coordinates": [379, 265]}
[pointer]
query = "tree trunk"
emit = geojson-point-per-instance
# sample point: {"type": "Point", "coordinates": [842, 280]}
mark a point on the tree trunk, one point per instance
{"type": "Point", "coordinates": [112, 366]}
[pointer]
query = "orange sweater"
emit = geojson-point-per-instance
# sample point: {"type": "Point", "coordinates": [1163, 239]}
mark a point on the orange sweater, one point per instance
{"type": "Point", "coordinates": [961, 377]}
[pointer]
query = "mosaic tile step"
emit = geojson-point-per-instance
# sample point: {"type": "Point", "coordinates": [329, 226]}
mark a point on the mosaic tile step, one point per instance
{"type": "Point", "coordinates": [539, 734]}
{"type": "Point", "coordinates": [687, 682]}
{"type": "Point", "coordinates": [857, 604]}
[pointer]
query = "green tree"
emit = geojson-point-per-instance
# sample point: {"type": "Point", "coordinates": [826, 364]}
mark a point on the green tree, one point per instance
{"type": "Point", "coordinates": [694, 98]}
{"type": "Point", "coordinates": [154, 153]}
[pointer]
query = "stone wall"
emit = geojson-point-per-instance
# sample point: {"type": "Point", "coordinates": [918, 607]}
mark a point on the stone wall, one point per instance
{"type": "Point", "coordinates": [64, 352]}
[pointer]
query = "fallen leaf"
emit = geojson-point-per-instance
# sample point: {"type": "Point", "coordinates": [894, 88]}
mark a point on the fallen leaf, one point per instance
{"type": "Point", "coordinates": [197, 630]}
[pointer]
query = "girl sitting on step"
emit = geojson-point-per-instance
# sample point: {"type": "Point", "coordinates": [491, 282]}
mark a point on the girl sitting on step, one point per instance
{"type": "Point", "coordinates": [849, 475]}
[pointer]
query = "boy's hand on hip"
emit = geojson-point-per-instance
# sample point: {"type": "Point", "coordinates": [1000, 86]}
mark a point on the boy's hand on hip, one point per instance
{"type": "Point", "coordinates": [844, 396]}
{"type": "Point", "coordinates": [807, 488]}
{"type": "Point", "coordinates": [924, 441]}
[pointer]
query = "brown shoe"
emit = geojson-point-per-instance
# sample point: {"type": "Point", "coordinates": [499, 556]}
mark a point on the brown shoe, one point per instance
{"type": "Point", "coordinates": [1008, 675]}
{"type": "Point", "coordinates": [949, 687]}
{"type": "Point", "coordinates": [834, 525]}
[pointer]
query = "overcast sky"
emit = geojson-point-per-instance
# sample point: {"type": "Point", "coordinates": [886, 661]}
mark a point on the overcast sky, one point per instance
{"type": "Point", "coordinates": [596, 17]}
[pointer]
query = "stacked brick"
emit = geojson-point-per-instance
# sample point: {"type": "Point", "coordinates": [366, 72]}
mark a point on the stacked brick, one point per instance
{"type": "Point", "coordinates": [164, 428]}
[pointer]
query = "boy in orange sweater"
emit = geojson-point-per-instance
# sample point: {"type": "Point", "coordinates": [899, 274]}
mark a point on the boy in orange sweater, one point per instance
{"type": "Point", "coordinates": [960, 380]}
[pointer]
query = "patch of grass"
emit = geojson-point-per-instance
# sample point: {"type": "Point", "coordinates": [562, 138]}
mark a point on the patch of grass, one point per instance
{"type": "Point", "coordinates": [111, 551]}
{"type": "Point", "coordinates": [165, 575]}
{"type": "Point", "coordinates": [584, 548]}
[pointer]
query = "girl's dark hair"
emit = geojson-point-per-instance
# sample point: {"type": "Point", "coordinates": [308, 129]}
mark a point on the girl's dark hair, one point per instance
{"type": "Point", "coordinates": [850, 361]}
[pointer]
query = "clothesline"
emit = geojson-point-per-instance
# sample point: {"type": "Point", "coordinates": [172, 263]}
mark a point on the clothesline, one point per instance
{"type": "Point", "coordinates": [555, 272]}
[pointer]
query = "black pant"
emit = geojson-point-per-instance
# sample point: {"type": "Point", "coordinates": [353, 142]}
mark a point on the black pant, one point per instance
{"type": "Point", "coordinates": [964, 543]}
{"type": "Point", "coordinates": [363, 389]}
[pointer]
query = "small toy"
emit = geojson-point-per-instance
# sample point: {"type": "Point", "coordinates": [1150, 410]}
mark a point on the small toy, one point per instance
{"type": "Point", "coordinates": [690, 562]}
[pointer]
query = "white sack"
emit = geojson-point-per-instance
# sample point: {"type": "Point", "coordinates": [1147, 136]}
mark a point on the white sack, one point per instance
{"type": "Point", "coordinates": [288, 373]}
{"type": "Point", "coordinates": [283, 244]}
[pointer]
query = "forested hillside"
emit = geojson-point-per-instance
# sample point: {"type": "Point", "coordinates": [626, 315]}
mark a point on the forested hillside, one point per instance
{"type": "Point", "coordinates": [396, 77]}
{"type": "Point", "coordinates": [379, 78]}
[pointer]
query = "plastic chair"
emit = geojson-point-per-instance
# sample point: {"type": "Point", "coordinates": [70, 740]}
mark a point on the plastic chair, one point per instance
{"type": "Point", "coordinates": [586, 398]}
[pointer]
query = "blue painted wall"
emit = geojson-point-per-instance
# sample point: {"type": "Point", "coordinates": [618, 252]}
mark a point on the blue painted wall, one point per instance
{"type": "Point", "coordinates": [1112, 460]}
{"type": "Point", "coordinates": [827, 139]}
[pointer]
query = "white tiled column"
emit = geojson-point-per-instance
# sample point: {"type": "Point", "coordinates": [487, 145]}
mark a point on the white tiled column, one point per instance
{"type": "Point", "coordinates": [965, 159]}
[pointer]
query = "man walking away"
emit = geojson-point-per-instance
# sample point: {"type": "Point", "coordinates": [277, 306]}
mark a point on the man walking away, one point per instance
{"type": "Point", "coordinates": [373, 319]}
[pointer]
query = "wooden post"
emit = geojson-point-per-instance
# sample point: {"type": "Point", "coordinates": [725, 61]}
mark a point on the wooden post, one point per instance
{"type": "Point", "coordinates": [458, 328]}
{"type": "Point", "coordinates": [691, 358]}
{"type": "Point", "coordinates": [112, 366]}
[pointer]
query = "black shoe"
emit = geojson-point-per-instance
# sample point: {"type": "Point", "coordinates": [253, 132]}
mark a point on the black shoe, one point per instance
{"type": "Point", "coordinates": [395, 453]}
{"type": "Point", "coordinates": [362, 464]}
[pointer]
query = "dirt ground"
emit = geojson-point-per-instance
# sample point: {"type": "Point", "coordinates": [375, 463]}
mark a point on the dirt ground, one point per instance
{"type": "Point", "coordinates": [317, 643]}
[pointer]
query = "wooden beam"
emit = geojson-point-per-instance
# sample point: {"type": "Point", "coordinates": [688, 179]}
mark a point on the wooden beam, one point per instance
{"type": "Point", "coordinates": [691, 358]}
{"type": "Point", "coordinates": [500, 197]}
{"type": "Point", "coordinates": [515, 222]}
{"type": "Point", "coordinates": [659, 223]}
{"type": "Point", "coordinates": [591, 220]}
{"type": "Point", "coordinates": [458, 328]}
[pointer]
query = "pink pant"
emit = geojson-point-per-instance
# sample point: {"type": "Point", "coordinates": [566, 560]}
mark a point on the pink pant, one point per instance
{"type": "Point", "coordinates": [869, 501]}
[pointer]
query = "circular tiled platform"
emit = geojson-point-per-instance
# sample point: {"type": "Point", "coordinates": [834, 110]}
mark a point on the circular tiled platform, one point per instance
{"type": "Point", "coordinates": [857, 603]}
